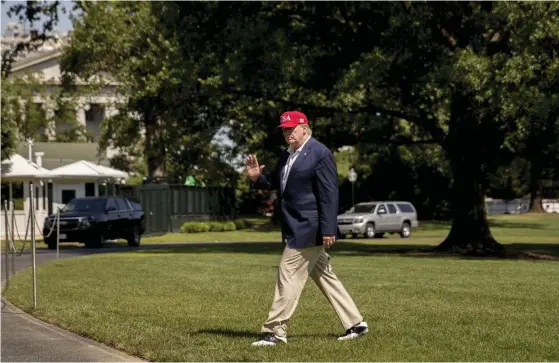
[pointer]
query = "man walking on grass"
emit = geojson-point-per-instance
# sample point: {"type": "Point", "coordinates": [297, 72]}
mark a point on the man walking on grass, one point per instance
{"type": "Point", "coordinates": [306, 178]}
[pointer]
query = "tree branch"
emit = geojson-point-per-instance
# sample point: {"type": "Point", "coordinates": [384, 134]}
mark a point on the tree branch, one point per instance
{"type": "Point", "coordinates": [326, 110]}
{"type": "Point", "coordinates": [405, 141]}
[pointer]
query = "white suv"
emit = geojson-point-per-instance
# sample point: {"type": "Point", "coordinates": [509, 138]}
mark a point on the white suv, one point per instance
{"type": "Point", "coordinates": [374, 219]}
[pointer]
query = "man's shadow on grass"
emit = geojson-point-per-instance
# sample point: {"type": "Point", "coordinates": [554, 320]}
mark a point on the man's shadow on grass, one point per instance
{"type": "Point", "coordinates": [255, 335]}
{"type": "Point", "coordinates": [531, 251]}
{"type": "Point", "coordinates": [230, 333]}
{"type": "Point", "coordinates": [345, 247]}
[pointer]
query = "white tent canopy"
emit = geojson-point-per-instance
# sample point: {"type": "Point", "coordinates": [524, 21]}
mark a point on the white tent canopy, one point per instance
{"type": "Point", "coordinates": [87, 170]}
{"type": "Point", "coordinates": [19, 168]}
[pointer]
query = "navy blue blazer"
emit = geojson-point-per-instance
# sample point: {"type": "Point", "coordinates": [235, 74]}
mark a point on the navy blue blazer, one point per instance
{"type": "Point", "coordinates": [309, 201]}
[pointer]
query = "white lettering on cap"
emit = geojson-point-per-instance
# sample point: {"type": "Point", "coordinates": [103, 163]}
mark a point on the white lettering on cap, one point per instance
{"type": "Point", "coordinates": [285, 118]}
{"type": "Point", "coordinates": [301, 120]}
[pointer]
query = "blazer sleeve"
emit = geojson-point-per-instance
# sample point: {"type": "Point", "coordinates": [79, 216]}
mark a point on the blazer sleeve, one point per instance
{"type": "Point", "coordinates": [264, 183]}
{"type": "Point", "coordinates": [267, 183]}
{"type": "Point", "coordinates": [326, 178]}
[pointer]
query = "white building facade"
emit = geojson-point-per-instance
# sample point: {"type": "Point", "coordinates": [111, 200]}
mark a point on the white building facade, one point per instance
{"type": "Point", "coordinates": [44, 63]}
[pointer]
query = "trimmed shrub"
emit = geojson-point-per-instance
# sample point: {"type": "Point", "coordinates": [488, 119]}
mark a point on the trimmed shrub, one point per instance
{"type": "Point", "coordinates": [195, 227]}
{"type": "Point", "coordinates": [222, 226]}
{"type": "Point", "coordinates": [199, 227]}
{"type": "Point", "coordinates": [242, 224]}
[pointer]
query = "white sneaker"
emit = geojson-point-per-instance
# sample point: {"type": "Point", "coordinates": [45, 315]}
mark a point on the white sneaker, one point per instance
{"type": "Point", "coordinates": [269, 339]}
{"type": "Point", "coordinates": [355, 331]}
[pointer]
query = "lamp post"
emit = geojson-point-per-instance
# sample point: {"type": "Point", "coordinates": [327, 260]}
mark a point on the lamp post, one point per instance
{"type": "Point", "coordinates": [352, 178]}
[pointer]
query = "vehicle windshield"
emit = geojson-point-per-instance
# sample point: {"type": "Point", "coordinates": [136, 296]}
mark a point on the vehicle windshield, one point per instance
{"type": "Point", "coordinates": [85, 205]}
{"type": "Point", "coordinates": [364, 208]}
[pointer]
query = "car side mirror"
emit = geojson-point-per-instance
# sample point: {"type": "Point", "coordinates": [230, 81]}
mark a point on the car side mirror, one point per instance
{"type": "Point", "coordinates": [381, 211]}
{"type": "Point", "coordinates": [109, 209]}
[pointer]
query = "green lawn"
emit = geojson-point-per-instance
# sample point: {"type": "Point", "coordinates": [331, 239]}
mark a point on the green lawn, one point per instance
{"type": "Point", "coordinates": [206, 303]}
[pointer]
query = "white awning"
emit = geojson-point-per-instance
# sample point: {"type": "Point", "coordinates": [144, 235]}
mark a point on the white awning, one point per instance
{"type": "Point", "coordinates": [19, 168]}
{"type": "Point", "coordinates": [87, 170]}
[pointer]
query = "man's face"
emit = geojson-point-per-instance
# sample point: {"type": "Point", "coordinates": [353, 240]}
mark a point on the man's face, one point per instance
{"type": "Point", "coordinates": [294, 136]}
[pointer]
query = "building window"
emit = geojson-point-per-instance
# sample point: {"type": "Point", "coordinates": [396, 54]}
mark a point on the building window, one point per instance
{"type": "Point", "coordinates": [89, 189]}
{"type": "Point", "coordinates": [93, 119]}
{"type": "Point", "coordinates": [68, 195]}
{"type": "Point", "coordinates": [49, 194]}
{"type": "Point", "coordinates": [45, 195]}
{"type": "Point", "coordinates": [17, 197]}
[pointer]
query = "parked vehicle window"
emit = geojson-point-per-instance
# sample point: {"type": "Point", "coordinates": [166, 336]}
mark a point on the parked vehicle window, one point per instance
{"type": "Point", "coordinates": [111, 205]}
{"type": "Point", "coordinates": [364, 208]}
{"type": "Point", "coordinates": [121, 204]}
{"type": "Point", "coordinates": [406, 208]}
{"type": "Point", "coordinates": [68, 195]}
{"type": "Point", "coordinates": [84, 205]}
{"type": "Point", "coordinates": [381, 209]}
{"type": "Point", "coordinates": [134, 205]}
{"type": "Point", "coordinates": [391, 208]}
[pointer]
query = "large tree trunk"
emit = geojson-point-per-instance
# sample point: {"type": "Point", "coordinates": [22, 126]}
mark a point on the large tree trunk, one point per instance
{"type": "Point", "coordinates": [470, 233]}
{"type": "Point", "coordinates": [154, 150]}
{"type": "Point", "coordinates": [536, 184]}
{"type": "Point", "coordinates": [536, 174]}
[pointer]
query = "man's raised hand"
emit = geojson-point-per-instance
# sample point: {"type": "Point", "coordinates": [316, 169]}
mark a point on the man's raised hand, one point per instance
{"type": "Point", "coordinates": [253, 170]}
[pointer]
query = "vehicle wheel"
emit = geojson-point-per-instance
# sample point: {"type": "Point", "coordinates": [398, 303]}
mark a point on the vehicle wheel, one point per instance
{"type": "Point", "coordinates": [405, 232]}
{"type": "Point", "coordinates": [134, 237]}
{"type": "Point", "coordinates": [95, 241]}
{"type": "Point", "coordinates": [370, 230]}
{"type": "Point", "coordinates": [379, 235]}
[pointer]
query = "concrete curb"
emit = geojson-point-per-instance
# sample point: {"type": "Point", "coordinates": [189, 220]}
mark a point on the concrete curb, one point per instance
{"type": "Point", "coordinates": [51, 343]}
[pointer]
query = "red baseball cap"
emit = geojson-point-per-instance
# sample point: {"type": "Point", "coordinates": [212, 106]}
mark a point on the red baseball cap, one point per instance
{"type": "Point", "coordinates": [292, 119]}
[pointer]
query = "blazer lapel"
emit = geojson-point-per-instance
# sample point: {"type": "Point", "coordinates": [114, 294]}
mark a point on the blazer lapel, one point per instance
{"type": "Point", "coordinates": [302, 154]}
{"type": "Point", "coordinates": [283, 160]}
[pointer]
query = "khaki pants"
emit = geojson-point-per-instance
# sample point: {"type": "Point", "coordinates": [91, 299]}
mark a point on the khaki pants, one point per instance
{"type": "Point", "coordinates": [295, 267]}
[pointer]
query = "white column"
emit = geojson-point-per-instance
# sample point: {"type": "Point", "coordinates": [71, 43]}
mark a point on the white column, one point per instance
{"type": "Point", "coordinates": [40, 196]}
{"type": "Point", "coordinates": [80, 116]}
{"type": "Point", "coordinates": [26, 200]}
{"type": "Point", "coordinates": [110, 111]}
{"type": "Point", "coordinates": [51, 123]}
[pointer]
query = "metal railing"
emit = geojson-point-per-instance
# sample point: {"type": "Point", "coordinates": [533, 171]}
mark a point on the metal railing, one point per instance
{"type": "Point", "coordinates": [11, 230]}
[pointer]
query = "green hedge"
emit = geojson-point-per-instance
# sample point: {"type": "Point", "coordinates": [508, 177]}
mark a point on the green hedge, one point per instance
{"type": "Point", "coordinates": [199, 227]}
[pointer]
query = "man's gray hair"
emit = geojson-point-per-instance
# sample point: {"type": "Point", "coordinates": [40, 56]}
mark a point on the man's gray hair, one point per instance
{"type": "Point", "coordinates": [309, 130]}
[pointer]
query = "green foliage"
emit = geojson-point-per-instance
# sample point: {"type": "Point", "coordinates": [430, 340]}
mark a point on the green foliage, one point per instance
{"type": "Point", "coordinates": [24, 118]}
{"type": "Point", "coordinates": [510, 181]}
{"type": "Point", "coordinates": [29, 12]}
{"type": "Point", "coordinates": [19, 106]}
{"type": "Point", "coordinates": [9, 128]}
{"type": "Point", "coordinates": [195, 227]}
{"type": "Point", "coordinates": [159, 79]}
{"type": "Point", "coordinates": [200, 227]}
{"type": "Point", "coordinates": [222, 226]}
{"type": "Point", "coordinates": [68, 129]}
{"type": "Point", "coordinates": [468, 77]}
{"type": "Point", "coordinates": [242, 224]}
{"type": "Point", "coordinates": [345, 160]}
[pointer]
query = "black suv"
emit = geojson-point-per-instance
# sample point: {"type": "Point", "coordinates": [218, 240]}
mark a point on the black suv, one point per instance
{"type": "Point", "coordinates": [93, 220]}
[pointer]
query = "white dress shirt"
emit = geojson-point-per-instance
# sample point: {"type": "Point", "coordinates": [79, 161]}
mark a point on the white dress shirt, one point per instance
{"type": "Point", "coordinates": [290, 161]}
